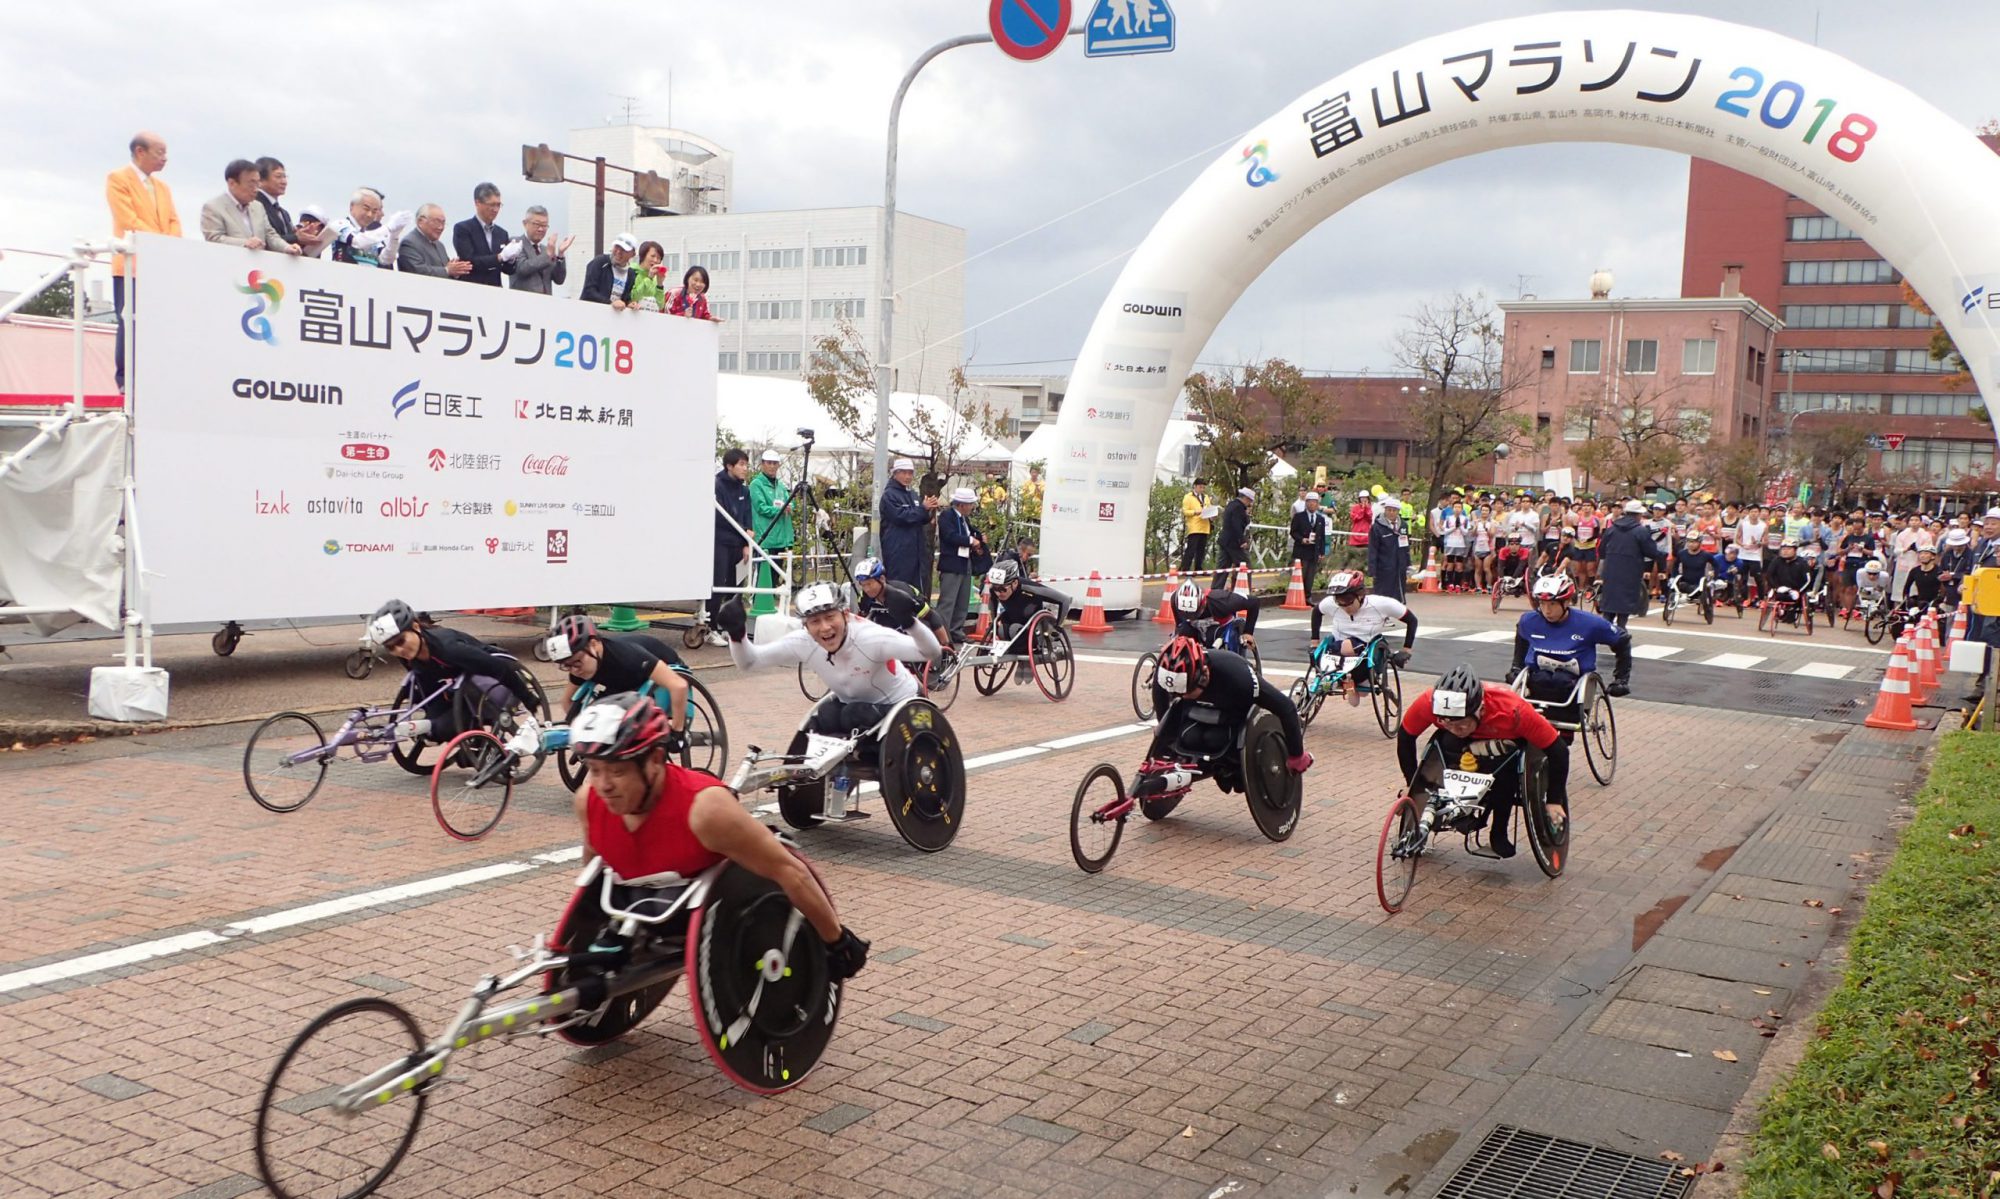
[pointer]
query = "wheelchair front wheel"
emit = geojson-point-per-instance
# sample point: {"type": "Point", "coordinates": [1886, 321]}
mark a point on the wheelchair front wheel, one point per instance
{"type": "Point", "coordinates": [1093, 837]}
{"type": "Point", "coordinates": [304, 1144]}
{"type": "Point", "coordinates": [1600, 736]}
{"type": "Point", "coordinates": [1142, 685]}
{"type": "Point", "coordinates": [1397, 854]}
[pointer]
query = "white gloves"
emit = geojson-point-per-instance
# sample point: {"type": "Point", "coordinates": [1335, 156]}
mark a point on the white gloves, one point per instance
{"type": "Point", "coordinates": [512, 250]}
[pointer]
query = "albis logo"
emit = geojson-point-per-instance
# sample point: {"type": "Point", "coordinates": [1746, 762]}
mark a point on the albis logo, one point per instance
{"type": "Point", "coordinates": [406, 507]}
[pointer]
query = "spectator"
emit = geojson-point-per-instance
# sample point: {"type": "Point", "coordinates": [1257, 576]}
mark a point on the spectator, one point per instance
{"type": "Point", "coordinates": [140, 203]}
{"type": "Point", "coordinates": [362, 237]}
{"type": "Point", "coordinates": [1234, 547]}
{"type": "Point", "coordinates": [904, 515]}
{"type": "Point", "coordinates": [235, 218]}
{"type": "Point", "coordinates": [692, 299]}
{"type": "Point", "coordinates": [649, 281]}
{"type": "Point", "coordinates": [770, 507]}
{"type": "Point", "coordinates": [608, 278]}
{"type": "Point", "coordinates": [959, 544]}
{"type": "Point", "coordinates": [732, 549]}
{"type": "Point", "coordinates": [1624, 549]}
{"type": "Point", "coordinates": [424, 252]}
{"type": "Point", "coordinates": [1197, 514]}
{"type": "Point", "coordinates": [1388, 550]}
{"type": "Point", "coordinates": [270, 190]}
{"type": "Point", "coordinates": [313, 232]}
{"type": "Point", "coordinates": [1311, 533]}
{"type": "Point", "coordinates": [539, 262]}
{"type": "Point", "coordinates": [479, 239]}
{"type": "Point", "coordinates": [1360, 518]}
{"type": "Point", "coordinates": [1985, 553]}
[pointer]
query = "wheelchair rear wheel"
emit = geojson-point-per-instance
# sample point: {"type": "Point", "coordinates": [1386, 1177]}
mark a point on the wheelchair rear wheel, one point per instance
{"type": "Point", "coordinates": [1051, 657]}
{"type": "Point", "coordinates": [765, 1004]}
{"type": "Point", "coordinates": [923, 776]}
{"type": "Point", "coordinates": [1548, 824]}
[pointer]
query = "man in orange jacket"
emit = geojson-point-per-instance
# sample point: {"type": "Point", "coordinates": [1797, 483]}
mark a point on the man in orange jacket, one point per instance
{"type": "Point", "coordinates": [140, 202]}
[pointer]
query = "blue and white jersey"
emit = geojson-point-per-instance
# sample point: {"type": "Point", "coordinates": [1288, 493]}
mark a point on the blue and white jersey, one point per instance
{"type": "Point", "coordinates": [1574, 640]}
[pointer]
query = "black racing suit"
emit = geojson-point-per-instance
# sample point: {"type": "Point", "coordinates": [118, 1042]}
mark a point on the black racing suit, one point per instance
{"type": "Point", "coordinates": [898, 607]}
{"type": "Point", "coordinates": [1216, 610]}
{"type": "Point", "coordinates": [1787, 573]}
{"type": "Point", "coordinates": [493, 681]}
{"type": "Point", "coordinates": [1209, 724]}
{"type": "Point", "coordinates": [627, 665]}
{"type": "Point", "coordinates": [1011, 615]}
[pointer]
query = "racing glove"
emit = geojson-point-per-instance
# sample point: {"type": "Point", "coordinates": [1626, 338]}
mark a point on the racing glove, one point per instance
{"type": "Point", "coordinates": [1300, 764]}
{"type": "Point", "coordinates": [730, 619]}
{"type": "Point", "coordinates": [846, 957]}
{"type": "Point", "coordinates": [1401, 658]}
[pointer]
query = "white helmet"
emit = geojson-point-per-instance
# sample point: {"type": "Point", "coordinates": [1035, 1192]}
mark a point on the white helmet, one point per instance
{"type": "Point", "coordinates": [1189, 598]}
{"type": "Point", "coordinates": [817, 597]}
{"type": "Point", "coordinates": [1874, 564]}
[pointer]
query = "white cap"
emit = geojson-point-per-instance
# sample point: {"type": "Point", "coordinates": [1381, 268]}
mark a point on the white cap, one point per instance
{"type": "Point", "coordinates": [964, 495]}
{"type": "Point", "coordinates": [1634, 506]}
{"type": "Point", "coordinates": [1246, 493]}
{"type": "Point", "coordinates": [626, 242]}
{"type": "Point", "coordinates": [901, 464]}
{"type": "Point", "coordinates": [772, 456]}
{"type": "Point", "coordinates": [1312, 495]}
{"type": "Point", "coordinates": [1958, 537]}
{"type": "Point", "coordinates": [1390, 501]}
{"type": "Point", "coordinates": [1992, 514]}
{"type": "Point", "coordinates": [314, 211]}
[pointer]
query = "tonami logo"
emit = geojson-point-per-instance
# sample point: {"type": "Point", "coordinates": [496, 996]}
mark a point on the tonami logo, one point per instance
{"type": "Point", "coordinates": [407, 507]}
{"type": "Point", "coordinates": [558, 546]}
{"type": "Point", "coordinates": [436, 459]}
{"type": "Point", "coordinates": [364, 451]}
{"type": "Point", "coordinates": [267, 506]}
{"type": "Point", "coordinates": [369, 547]}
{"type": "Point", "coordinates": [545, 464]}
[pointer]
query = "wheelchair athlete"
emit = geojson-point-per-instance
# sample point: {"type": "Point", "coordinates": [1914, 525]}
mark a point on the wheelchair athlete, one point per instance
{"type": "Point", "coordinates": [893, 603]}
{"type": "Point", "coordinates": [1558, 645]}
{"type": "Point", "coordinates": [1785, 582]}
{"type": "Point", "coordinates": [645, 814]}
{"type": "Point", "coordinates": [1204, 699]}
{"type": "Point", "coordinates": [1487, 722]}
{"type": "Point", "coordinates": [1015, 601]}
{"type": "Point", "coordinates": [619, 664]}
{"type": "Point", "coordinates": [438, 655]}
{"type": "Point", "coordinates": [1358, 618]}
{"type": "Point", "coordinates": [860, 662]}
{"type": "Point", "coordinates": [1202, 614]}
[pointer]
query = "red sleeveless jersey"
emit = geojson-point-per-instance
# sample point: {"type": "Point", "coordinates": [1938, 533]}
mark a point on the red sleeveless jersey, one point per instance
{"type": "Point", "coordinates": [663, 840]}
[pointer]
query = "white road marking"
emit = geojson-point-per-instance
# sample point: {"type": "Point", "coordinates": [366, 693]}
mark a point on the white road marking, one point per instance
{"type": "Point", "coordinates": [110, 959]}
{"type": "Point", "coordinates": [1824, 670]}
{"type": "Point", "coordinates": [1835, 646]}
{"type": "Point", "coordinates": [1732, 661]}
{"type": "Point", "coordinates": [1284, 622]}
{"type": "Point", "coordinates": [1485, 635]}
{"type": "Point", "coordinates": [1655, 651]}
{"type": "Point", "coordinates": [371, 899]}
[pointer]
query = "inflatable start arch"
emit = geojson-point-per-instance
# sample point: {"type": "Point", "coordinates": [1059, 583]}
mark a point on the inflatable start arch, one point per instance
{"type": "Point", "coordinates": [1921, 189]}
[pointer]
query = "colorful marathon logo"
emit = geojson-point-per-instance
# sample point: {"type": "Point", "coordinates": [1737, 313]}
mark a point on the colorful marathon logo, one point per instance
{"type": "Point", "coordinates": [269, 294]}
{"type": "Point", "coordinates": [1260, 173]}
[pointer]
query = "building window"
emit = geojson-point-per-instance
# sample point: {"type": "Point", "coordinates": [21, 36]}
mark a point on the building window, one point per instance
{"type": "Point", "coordinates": [726, 361]}
{"type": "Point", "coordinates": [1585, 357]}
{"type": "Point", "coordinates": [1548, 358]}
{"type": "Point", "coordinates": [1931, 405]}
{"type": "Point", "coordinates": [1920, 362]}
{"type": "Point", "coordinates": [670, 263]}
{"type": "Point", "coordinates": [851, 309]}
{"type": "Point", "coordinates": [777, 260]}
{"type": "Point", "coordinates": [1817, 228]}
{"type": "Point", "coordinates": [1847, 270]}
{"type": "Point", "coordinates": [1577, 424]}
{"type": "Point", "coordinates": [715, 260]}
{"type": "Point", "coordinates": [773, 310]}
{"type": "Point", "coordinates": [1910, 318]}
{"type": "Point", "coordinates": [766, 361]}
{"type": "Point", "coordinates": [1698, 356]}
{"type": "Point", "coordinates": [1642, 357]}
{"type": "Point", "coordinates": [1837, 316]}
{"type": "Point", "coordinates": [1753, 366]}
{"type": "Point", "coordinates": [1836, 362]}
{"type": "Point", "coordinates": [840, 255]}
{"type": "Point", "coordinates": [1939, 460]}
{"type": "Point", "coordinates": [1827, 401]}
{"type": "Point", "coordinates": [723, 310]}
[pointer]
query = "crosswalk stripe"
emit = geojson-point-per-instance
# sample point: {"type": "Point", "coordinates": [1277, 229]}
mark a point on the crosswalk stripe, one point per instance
{"type": "Point", "coordinates": [1733, 661]}
{"type": "Point", "coordinates": [1486, 635]}
{"type": "Point", "coordinates": [1655, 651]}
{"type": "Point", "coordinates": [1824, 670]}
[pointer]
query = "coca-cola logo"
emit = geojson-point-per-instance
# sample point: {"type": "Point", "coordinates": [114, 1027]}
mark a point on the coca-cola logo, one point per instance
{"type": "Point", "coordinates": [545, 464]}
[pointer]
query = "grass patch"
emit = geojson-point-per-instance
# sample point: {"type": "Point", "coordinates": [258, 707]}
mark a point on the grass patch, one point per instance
{"type": "Point", "coordinates": [1893, 1095]}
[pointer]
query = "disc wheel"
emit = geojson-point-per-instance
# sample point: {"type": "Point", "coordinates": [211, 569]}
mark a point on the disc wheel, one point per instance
{"type": "Point", "coordinates": [359, 664]}
{"type": "Point", "coordinates": [1600, 736]}
{"type": "Point", "coordinates": [1052, 658]}
{"type": "Point", "coordinates": [472, 784]}
{"type": "Point", "coordinates": [1093, 837]}
{"type": "Point", "coordinates": [272, 771]}
{"type": "Point", "coordinates": [306, 1147]}
{"type": "Point", "coordinates": [765, 1004]}
{"type": "Point", "coordinates": [1273, 792]}
{"type": "Point", "coordinates": [1142, 685]}
{"type": "Point", "coordinates": [1548, 824]}
{"type": "Point", "coordinates": [1397, 854]}
{"type": "Point", "coordinates": [810, 684]}
{"type": "Point", "coordinates": [1387, 696]}
{"type": "Point", "coordinates": [802, 805]}
{"type": "Point", "coordinates": [923, 776]}
{"type": "Point", "coordinates": [579, 925]}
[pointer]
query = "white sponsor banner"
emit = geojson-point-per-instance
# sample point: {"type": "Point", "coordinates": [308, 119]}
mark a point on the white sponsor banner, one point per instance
{"type": "Point", "coordinates": [313, 438]}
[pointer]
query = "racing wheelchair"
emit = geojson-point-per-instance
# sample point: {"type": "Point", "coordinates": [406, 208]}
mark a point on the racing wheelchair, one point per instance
{"type": "Point", "coordinates": [343, 1104]}
{"type": "Point", "coordinates": [1584, 714]}
{"type": "Point", "coordinates": [1046, 654]}
{"type": "Point", "coordinates": [1785, 606]}
{"type": "Point", "coordinates": [1327, 670]}
{"type": "Point", "coordinates": [1214, 634]}
{"type": "Point", "coordinates": [1252, 762]}
{"type": "Point", "coordinates": [1702, 597]}
{"type": "Point", "coordinates": [1442, 798]}
{"type": "Point", "coordinates": [911, 755]}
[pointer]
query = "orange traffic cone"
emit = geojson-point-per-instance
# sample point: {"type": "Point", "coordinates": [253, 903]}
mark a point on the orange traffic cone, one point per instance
{"type": "Point", "coordinates": [1295, 595]}
{"type": "Point", "coordinates": [1165, 615]}
{"type": "Point", "coordinates": [1892, 702]}
{"type": "Point", "coordinates": [1243, 578]}
{"type": "Point", "coordinates": [1430, 583]}
{"type": "Point", "coordinates": [985, 616]}
{"type": "Point", "coordinates": [1959, 624]}
{"type": "Point", "coordinates": [1926, 678]}
{"type": "Point", "coordinates": [1093, 610]}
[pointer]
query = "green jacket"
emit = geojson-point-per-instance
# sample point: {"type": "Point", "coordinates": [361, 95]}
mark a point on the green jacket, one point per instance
{"type": "Point", "coordinates": [767, 501]}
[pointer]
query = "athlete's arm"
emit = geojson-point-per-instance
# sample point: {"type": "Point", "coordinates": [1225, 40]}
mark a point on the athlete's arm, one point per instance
{"type": "Point", "coordinates": [887, 645]}
{"type": "Point", "coordinates": [789, 650]}
{"type": "Point", "coordinates": [471, 658]}
{"type": "Point", "coordinates": [718, 820]}
{"type": "Point", "coordinates": [580, 804]}
{"type": "Point", "coordinates": [1409, 619]}
{"type": "Point", "coordinates": [1278, 704]}
{"type": "Point", "coordinates": [675, 684]}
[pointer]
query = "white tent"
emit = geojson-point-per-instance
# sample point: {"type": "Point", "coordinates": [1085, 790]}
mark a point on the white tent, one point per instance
{"type": "Point", "coordinates": [768, 411]}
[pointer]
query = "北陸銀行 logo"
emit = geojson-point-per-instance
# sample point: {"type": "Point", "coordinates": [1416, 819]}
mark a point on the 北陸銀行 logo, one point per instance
{"type": "Point", "coordinates": [267, 295]}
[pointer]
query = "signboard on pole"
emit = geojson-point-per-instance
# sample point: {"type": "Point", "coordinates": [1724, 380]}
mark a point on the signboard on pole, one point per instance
{"type": "Point", "coordinates": [1893, 440]}
{"type": "Point", "coordinates": [312, 438]}
{"type": "Point", "coordinates": [1028, 29]}
{"type": "Point", "coordinates": [1119, 27]}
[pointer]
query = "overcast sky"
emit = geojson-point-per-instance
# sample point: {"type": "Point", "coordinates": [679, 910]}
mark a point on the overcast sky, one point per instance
{"type": "Point", "coordinates": [406, 97]}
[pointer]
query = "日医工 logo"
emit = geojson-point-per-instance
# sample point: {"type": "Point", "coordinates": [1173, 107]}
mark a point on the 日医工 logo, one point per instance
{"type": "Point", "coordinates": [267, 295]}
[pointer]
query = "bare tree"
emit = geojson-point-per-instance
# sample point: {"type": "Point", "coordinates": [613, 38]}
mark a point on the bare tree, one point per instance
{"type": "Point", "coordinates": [1641, 439]}
{"type": "Point", "coordinates": [1734, 469]}
{"type": "Point", "coordinates": [1245, 416]}
{"type": "Point", "coordinates": [1834, 452]}
{"type": "Point", "coordinates": [841, 379]}
{"type": "Point", "coordinates": [1466, 405]}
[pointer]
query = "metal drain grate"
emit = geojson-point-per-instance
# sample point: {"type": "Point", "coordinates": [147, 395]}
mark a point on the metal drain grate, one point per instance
{"type": "Point", "coordinates": [1514, 1164]}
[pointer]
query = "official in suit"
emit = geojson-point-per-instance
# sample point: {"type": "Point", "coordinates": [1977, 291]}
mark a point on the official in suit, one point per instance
{"type": "Point", "coordinates": [539, 265]}
{"type": "Point", "coordinates": [479, 239]}
{"type": "Point", "coordinates": [270, 192]}
{"type": "Point", "coordinates": [424, 251]}
{"type": "Point", "coordinates": [608, 278]}
{"type": "Point", "coordinates": [140, 202]}
{"type": "Point", "coordinates": [235, 218]}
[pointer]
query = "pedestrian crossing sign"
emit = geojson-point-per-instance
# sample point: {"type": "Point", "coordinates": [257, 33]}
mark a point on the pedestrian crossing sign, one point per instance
{"type": "Point", "coordinates": [1129, 27]}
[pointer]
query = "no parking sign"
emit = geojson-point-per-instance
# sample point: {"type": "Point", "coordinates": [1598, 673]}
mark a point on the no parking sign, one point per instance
{"type": "Point", "coordinates": [1028, 29]}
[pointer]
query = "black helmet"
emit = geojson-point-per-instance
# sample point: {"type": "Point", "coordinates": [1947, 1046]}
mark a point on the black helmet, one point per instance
{"type": "Point", "coordinates": [1460, 689]}
{"type": "Point", "coordinates": [390, 621]}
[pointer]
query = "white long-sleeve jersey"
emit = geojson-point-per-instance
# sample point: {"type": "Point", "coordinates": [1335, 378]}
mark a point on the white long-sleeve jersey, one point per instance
{"type": "Point", "coordinates": [866, 669]}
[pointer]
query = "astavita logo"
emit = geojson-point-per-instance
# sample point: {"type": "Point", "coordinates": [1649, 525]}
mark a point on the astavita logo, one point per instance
{"type": "Point", "coordinates": [1121, 455]}
{"type": "Point", "coordinates": [545, 464]}
{"type": "Point", "coordinates": [285, 390]}
{"type": "Point", "coordinates": [364, 451]}
{"type": "Point", "coordinates": [346, 505]}
{"type": "Point", "coordinates": [1153, 310]}
{"type": "Point", "coordinates": [404, 506]}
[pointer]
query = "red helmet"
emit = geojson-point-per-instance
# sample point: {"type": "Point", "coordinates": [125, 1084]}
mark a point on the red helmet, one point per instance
{"type": "Point", "coordinates": [1183, 666]}
{"type": "Point", "coordinates": [618, 729]}
{"type": "Point", "coordinates": [1346, 582]}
